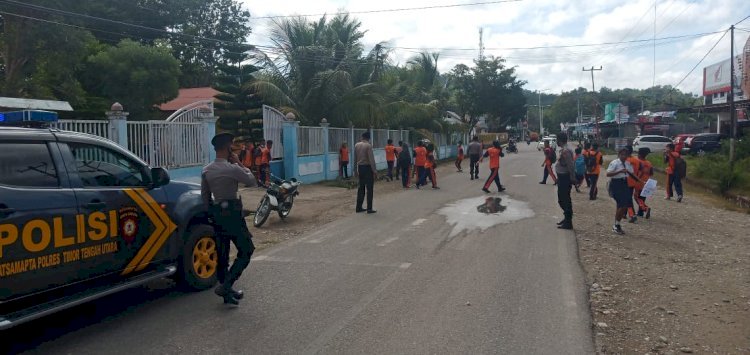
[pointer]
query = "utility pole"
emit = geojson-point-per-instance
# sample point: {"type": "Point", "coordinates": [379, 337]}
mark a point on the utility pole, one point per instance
{"type": "Point", "coordinates": [481, 43]}
{"type": "Point", "coordinates": [730, 98]}
{"type": "Point", "coordinates": [593, 93]}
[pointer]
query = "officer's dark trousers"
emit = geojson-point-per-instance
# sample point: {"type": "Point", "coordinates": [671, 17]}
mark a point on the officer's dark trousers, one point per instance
{"type": "Point", "coordinates": [231, 226]}
{"type": "Point", "coordinates": [564, 184]}
{"type": "Point", "coordinates": [366, 183]}
{"type": "Point", "coordinates": [474, 165]}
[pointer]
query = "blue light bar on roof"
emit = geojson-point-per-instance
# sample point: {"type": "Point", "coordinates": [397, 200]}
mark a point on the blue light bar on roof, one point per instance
{"type": "Point", "coordinates": [19, 117]}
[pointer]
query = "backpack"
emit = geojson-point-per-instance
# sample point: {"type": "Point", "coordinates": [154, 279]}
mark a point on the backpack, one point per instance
{"type": "Point", "coordinates": [552, 156]}
{"type": "Point", "coordinates": [580, 165]}
{"type": "Point", "coordinates": [590, 161]}
{"type": "Point", "coordinates": [680, 167]}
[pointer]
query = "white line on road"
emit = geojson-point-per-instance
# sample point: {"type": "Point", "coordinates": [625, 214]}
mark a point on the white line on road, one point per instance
{"type": "Point", "coordinates": [518, 175]}
{"type": "Point", "coordinates": [385, 242]}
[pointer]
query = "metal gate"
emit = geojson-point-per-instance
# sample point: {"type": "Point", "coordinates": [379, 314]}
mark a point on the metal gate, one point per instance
{"type": "Point", "coordinates": [273, 121]}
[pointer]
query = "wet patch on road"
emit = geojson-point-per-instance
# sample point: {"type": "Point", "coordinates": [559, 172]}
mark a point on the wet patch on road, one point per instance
{"type": "Point", "coordinates": [484, 212]}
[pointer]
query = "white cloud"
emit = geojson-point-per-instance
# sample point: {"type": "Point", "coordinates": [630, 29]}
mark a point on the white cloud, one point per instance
{"type": "Point", "coordinates": [531, 23]}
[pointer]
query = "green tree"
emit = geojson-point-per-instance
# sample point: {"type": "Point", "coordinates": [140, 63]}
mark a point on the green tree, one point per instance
{"type": "Point", "coordinates": [239, 111]}
{"type": "Point", "coordinates": [138, 76]}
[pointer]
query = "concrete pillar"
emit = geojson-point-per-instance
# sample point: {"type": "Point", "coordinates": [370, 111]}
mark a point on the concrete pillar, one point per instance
{"type": "Point", "coordinates": [289, 141]}
{"type": "Point", "coordinates": [118, 125]}
{"type": "Point", "coordinates": [326, 158]}
{"type": "Point", "coordinates": [208, 120]}
{"type": "Point", "coordinates": [351, 147]}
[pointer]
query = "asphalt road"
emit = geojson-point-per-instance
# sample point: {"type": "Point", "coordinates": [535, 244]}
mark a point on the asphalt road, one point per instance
{"type": "Point", "coordinates": [403, 280]}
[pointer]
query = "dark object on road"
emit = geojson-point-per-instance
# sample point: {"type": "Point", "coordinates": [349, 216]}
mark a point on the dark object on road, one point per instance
{"type": "Point", "coordinates": [491, 205]}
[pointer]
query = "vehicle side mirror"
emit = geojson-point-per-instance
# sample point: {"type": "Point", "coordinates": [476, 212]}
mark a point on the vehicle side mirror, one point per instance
{"type": "Point", "coordinates": [159, 177]}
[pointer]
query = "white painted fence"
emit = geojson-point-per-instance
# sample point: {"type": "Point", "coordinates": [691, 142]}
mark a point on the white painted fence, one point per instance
{"type": "Point", "coordinates": [310, 141]}
{"type": "Point", "coordinates": [192, 112]}
{"type": "Point", "coordinates": [168, 144]}
{"type": "Point", "coordinates": [96, 127]}
{"type": "Point", "coordinates": [273, 121]}
{"type": "Point", "coordinates": [337, 136]}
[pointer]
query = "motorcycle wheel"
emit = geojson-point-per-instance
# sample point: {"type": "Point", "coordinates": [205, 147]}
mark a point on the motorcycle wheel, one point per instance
{"type": "Point", "coordinates": [283, 209]}
{"type": "Point", "coordinates": [262, 213]}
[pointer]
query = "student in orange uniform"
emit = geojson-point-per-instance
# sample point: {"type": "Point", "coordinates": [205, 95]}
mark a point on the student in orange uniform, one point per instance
{"type": "Point", "coordinates": [672, 179]}
{"type": "Point", "coordinates": [593, 169]}
{"type": "Point", "coordinates": [344, 161]}
{"type": "Point", "coordinates": [549, 156]}
{"type": "Point", "coordinates": [390, 158]}
{"type": "Point", "coordinates": [494, 153]}
{"type": "Point", "coordinates": [258, 161]}
{"type": "Point", "coordinates": [420, 159]}
{"type": "Point", "coordinates": [460, 156]}
{"type": "Point", "coordinates": [266, 160]}
{"type": "Point", "coordinates": [430, 165]}
{"type": "Point", "coordinates": [246, 156]}
{"type": "Point", "coordinates": [585, 153]}
{"type": "Point", "coordinates": [633, 181]}
{"type": "Point", "coordinates": [646, 172]}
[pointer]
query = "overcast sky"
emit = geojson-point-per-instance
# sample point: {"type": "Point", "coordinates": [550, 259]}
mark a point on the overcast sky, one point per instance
{"type": "Point", "coordinates": [542, 23]}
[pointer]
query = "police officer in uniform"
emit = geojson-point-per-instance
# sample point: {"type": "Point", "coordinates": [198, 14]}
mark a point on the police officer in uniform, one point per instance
{"type": "Point", "coordinates": [219, 184]}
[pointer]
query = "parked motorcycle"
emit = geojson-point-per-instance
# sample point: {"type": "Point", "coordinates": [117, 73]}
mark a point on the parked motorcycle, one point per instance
{"type": "Point", "coordinates": [279, 197]}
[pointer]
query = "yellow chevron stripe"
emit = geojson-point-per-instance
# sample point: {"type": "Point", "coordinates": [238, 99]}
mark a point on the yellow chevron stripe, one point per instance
{"type": "Point", "coordinates": [155, 235]}
{"type": "Point", "coordinates": [169, 227]}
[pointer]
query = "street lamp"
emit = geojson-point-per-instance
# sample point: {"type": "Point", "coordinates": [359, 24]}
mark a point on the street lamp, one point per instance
{"type": "Point", "coordinates": [541, 117]}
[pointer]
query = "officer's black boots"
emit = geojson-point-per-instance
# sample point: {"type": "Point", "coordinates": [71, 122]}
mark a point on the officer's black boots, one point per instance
{"type": "Point", "coordinates": [230, 295]}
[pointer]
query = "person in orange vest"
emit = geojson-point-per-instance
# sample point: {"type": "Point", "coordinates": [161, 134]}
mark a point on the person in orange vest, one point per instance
{"type": "Point", "coordinates": [549, 156]}
{"type": "Point", "coordinates": [266, 160]}
{"type": "Point", "coordinates": [430, 165]}
{"type": "Point", "coordinates": [390, 158]}
{"type": "Point", "coordinates": [258, 161]}
{"type": "Point", "coordinates": [646, 172]}
{"type": "Point", "coordinates": [593, 169]}
{"type": "Point", "coordinates": [420, 159]}
{"type": "Point", "coordinates": [494, 153]}
{"type": "Point", "coordinates": [399, 148]}
{"type": "Point", "coordinates": [246, 156]}
{"type": "Point", "coordinates": [344, 161]}
{"type": "Point", "coordinates": [585, 153]}
{"type": "Point", "coordinates": [672, 179]}
{"type": "Point", "coordinates": [460, 156]}
{"type": "Point", "coordinates": [633, 181]}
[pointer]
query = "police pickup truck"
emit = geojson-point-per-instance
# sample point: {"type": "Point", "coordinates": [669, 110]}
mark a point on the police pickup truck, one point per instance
{"type": "Point", "coordinates": [82, 218]}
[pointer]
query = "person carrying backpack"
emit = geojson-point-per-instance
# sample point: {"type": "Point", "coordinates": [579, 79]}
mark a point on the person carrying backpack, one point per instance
{"type": "Point", "coordinates": [676, 168]}
{"type": "Point", "coordinates": [549, 158]}
{"type": "Point", "coordinates": [580, 168]}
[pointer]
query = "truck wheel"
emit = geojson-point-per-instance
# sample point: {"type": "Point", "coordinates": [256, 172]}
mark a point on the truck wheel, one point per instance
{"type": "Point", "coordinates": [200, 259]}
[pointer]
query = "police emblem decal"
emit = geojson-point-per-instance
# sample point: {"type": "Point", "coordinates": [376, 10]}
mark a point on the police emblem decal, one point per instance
{"type": "Point", "coordinates": [129, 224]}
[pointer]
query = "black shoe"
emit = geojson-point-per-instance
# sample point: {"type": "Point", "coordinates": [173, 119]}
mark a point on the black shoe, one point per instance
{"type": "Point", "coordinates": [561, 222]}
{"type": "Point", "coordinates": [371, 211]}
{"type": "Point", "coordinates": [485, 190]}
{"type": "Point", "coordinates": [360, 210]}
{"type": "Point", "coordinates": [221, 292]}
{"type": "Point", "coordinates": [543, 182]}
{"type": "Point", "coordinates": [648, 214]}
{"type": "Point", "coordinates": [501, 189]}
{"type": "Point", "coordinates": [472, 178]}
{"type": "Point", "coordinates": [436, 187]}
{"type": "Point", "coordinates": [566, 225]}
{"type": "Point", "coordinates": [618, 229]}
{"type": "Point", "coordinates": [633, 219]}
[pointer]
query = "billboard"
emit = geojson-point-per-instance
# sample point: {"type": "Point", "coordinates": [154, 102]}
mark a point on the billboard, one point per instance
{"type": "Point", "coordinates": [716, 77]}
{"type": "Point", "coordinates": [616, 112]}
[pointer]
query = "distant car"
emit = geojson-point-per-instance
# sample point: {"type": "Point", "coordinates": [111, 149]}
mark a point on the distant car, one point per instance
{"type": "Point", "coordinates": [703, 143]}
{"type": "Point", "coordinates": [652, 142]}
{"type": "Point", "coordinates": [552, 143]}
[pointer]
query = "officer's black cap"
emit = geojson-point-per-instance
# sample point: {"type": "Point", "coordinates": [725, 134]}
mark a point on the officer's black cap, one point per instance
{"type": "Point", "coordinates": [222, 139]}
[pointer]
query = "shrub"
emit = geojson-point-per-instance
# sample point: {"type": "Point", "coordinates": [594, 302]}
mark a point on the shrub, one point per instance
{"type": "Point", "coordinates": [716, 170]}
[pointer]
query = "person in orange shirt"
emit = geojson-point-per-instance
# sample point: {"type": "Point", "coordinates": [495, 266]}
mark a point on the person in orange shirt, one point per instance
{"type": "Point", "coordinates": [430, 165]}
{"type": "Point", "coordinates": [585, 153]}
{"type": "Point", "coordinates": [633, 181]}
{"type": "Point", "coordinates": [460, 156]}
{"type": "Point", "coordinates": [420, 159]}
{"type": "Point", "coordinates": [266, 160]}
{"type": "Point", "coordinates": [246, 156]}
{"type": "Point", "coordinates": [258, 161]}
{"type": "Point", "coordinates": [672, 179]}
{"type": "Point", "coordinates": [390, 158]}
{"type": "Point", "coordinates": [593, 169]}
{"type": "Point", "coordinates": [645, 173]}
{"type": "Point", "coordinates": [494, 153]}
{"type": "Point", "coordinates": [547, 165]}
{"type": "Point", "coordinates": [344, 161]}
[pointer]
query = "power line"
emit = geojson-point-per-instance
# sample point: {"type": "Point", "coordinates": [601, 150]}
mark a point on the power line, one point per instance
{"type": "Point", "coordinates": [702, 59]}
{"type": "Point", "coordinates": [559, 46]}
{"type": "Point", "coordinates": [741, 21]}
{"type": "Point", "coordinates": [392, 10]}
